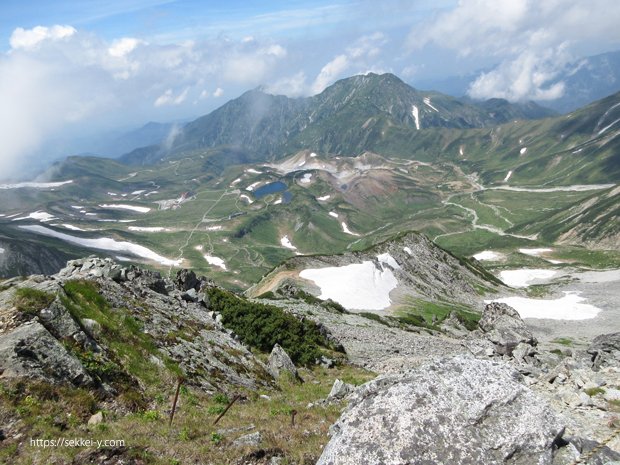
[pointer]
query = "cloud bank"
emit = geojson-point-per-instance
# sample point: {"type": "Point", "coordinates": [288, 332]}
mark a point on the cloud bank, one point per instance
{"type": "Point", "coordinates": [533, 41]}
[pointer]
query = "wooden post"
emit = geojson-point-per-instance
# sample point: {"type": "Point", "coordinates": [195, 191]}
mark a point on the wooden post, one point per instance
{"type": "Point", "coordinates": [174, 403]}
{"type": "Point", "coordinates": [226, 409]}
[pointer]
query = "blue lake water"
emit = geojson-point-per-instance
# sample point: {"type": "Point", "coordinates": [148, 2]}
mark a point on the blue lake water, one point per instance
{"type": "Point", "coordinates": [271, 188]}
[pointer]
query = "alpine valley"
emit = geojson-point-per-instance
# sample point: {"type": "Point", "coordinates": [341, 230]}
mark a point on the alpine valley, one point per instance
{"type": "Point", "coordinates": [370, 230]}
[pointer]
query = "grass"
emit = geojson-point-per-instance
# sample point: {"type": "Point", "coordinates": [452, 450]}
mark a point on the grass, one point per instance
{"type": "Point", "coordinates": [31, 301]}
{"type": "Point", "coordinates": [51, 412]}
{"type": "Point", "coordinates": [565, 341]}
{"type": "Point", "coordinates": [130, 348]}
{"type": "Point", "coordinates": [594, 391]}
{"type": "Point", "coordinates": [433, 313]}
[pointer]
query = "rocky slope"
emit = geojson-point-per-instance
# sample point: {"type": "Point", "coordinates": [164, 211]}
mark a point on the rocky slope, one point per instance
{"type": "Point", "coordinates": [448, 392]}
{"type": "Point", "coordinates": [420, 269]}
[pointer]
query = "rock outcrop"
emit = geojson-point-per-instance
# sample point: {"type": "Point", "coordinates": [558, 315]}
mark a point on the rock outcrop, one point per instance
{"type": "Point", "coordinates": [280, 363]}
{"type": "Point", "coordinates": [457, 411]}
{"type": "Point", "coordinates": [181, 329]}
{"type": "Point", "coordinates": [31, 352]}
{"type": "Point", "coordinates": [503, 326]}
{"type": "Point", "coordinates": [605, 350]}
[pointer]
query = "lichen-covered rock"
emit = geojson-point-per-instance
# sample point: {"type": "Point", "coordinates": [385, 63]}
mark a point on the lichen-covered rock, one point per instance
{"type": "Point", "coordinates": [340, 390]}
{"type": "Point", "coordinates": [503, 326]}
{"type": "Point", "coordinates": [30, 351]}
{"type": "Point", "coordinates": [457, 411]}
{"type": "Point", "coordinates": [280, 362]}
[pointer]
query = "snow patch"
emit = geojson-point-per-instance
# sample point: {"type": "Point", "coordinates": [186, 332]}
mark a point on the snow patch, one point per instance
{"type": "Point", "coordinates": [523, 150]}
{"type": "Point", "coordinates": [408, 250]}
{"type": "Point", "coordinates": [307, 177]}
{"type": "Point", "coordinates": [387, 258]}
{"type": "Point", "coordinates": [120, 206]}
{"type": "Point", "coordinates": [346, 229]}
{"type": "Point", "coordinates": [105, 243]}
{"type": "Point", "coordinates": [249, 200]}
{"type": "Point", "coordinates": [416, 116]}
{"type": "Point", "coordinates": [333, 214]}
{"type": "Point", "coordinates": [215, 261]}
{"type": "Point", "coordinates": [138, 192]}
{"type": "Point", "coordinates": [147, 228]}
{"type": "Point", "coordinates": [569, 307]}
{"type": "Point", "coordinates": [38, 215]}
{"type": "Point", "coordinates": [360, 286]}
{"type": "Point", "coordinates": [284, 240]}
{"type": "Point", "coordinates": [427, 101]}
{"type": "Point", "coordinates": [278, 202]}
{"type": "Point", "coordinates": [523, 278]}
{"type": "Point", "coordinates": [35, 185]}
{"type": "Point", "coordinates": [214, 228]}
{"type": "Point", "coordinates": [487, 255]}
{"type": "Point", "coordinates": [253, 171]}
{"type": "Point", "coordinates": [535, 252]}
{"type": "Point", "coordinates": [235, 181]}
{"type": "Point", "coordinates": [323, 198]}
{"type": "Point", "coordinates": [508, 176]}
{"type": "Point", "coordinates": [72, 228]}
{"type": "Point", "coordinates": [312, 155]}
{"type": "Point", "coordinates": [252, 186]}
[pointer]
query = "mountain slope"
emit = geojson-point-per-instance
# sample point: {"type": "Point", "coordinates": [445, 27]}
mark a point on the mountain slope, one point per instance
{"type": "Point", "coordinates": [346, 118]}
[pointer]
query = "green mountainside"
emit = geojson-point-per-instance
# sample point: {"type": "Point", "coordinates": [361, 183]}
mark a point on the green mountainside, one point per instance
{"type": "Point", "coordinates": [264, 178]}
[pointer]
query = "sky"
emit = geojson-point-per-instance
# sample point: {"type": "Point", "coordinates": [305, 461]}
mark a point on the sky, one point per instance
{"type": "Point", "coordinates": [72, 69]}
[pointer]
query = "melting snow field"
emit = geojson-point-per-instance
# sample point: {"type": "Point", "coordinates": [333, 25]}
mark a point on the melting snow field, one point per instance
{"type": "Point", "coordinates": [1, 250]}
{"type": "Point", "coordinates": [488, 255]}
{"type": "Point", "coordinates": [307, 177]}
{"type": "Point", "coordinates": [324, 198]}
{"type": "Point", "coordinates": [248, 199]}
{"type": "Point", "coordinates": [508, 176]}
{"type": "Point", "coordinates": [38, 215]}
{"type": "Point", "coordinates": [359, 286]}
{"type": "Point", "coordinates": [35, 185]}
{"type": "Point", "coordinates": [287, 243]}
{"type": "Point", "coordinates": [215, 261]}
{"type": "Point", "coordinates": [120, 206]}
{"type": "Point", "coordinates": [333, 214]}
{"type": "Point", "coordinates": [416, 116]}
{"type": "Point", "coordinates": [535, 252]}
{"type": "Point", "coordinates": [523, 278]}
{"type": "Point", "coordinates": [105, 243]}
{"type": "Point", "coordinates": [346, 229]}
{"type": "Point", "coordinates": [569, 307]}
{"type": "Point", "coordinates": [523, 150]}
{"type": "Point", "coordinates": [148, 228]}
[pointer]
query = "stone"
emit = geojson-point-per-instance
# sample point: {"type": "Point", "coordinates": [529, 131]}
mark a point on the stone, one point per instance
{"type": "Point", "coordinates": [340, 390]}
{"type": "Point", "coordinates": [279, 362]}
{"type": "Point", "coordinates": [252, 439]}
{"type": "Point", "coordinates": [95, 419]}
{"type": "Point", "coordinates": [503, 326]}
{"type": "Point", "coordinates": [457, 411]}
{"type": "Point", "coordinates": [30, 351]}
{"type": "Point", "coordinates": [91, 327]}
{"type": "Point", "coordinates": [186, 280]}
{"type": "Point", "coordinates": [605, 350]}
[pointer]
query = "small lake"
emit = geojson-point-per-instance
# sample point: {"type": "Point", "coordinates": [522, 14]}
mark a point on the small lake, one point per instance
{"type": "Point", "coordinates": [271, 188]}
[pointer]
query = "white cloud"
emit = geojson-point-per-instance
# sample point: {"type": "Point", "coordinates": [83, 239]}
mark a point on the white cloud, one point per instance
{"type": "Point", "coordinates": [360, 54]}
{"type": "Point", "coordinates": [293, 86]}
{"type": "Point", "coordinates": [31, 38]}
{"type": "Point", "coordinates": [124, 46]}
{"type": "Point", "coordinates": [218, 92]}
{"type": "Point", "coordinates": [532, 40]}
{"type": "Point", "coordinates": [168, 98]}
{"type": "Point", "coordinates": [329, 73]}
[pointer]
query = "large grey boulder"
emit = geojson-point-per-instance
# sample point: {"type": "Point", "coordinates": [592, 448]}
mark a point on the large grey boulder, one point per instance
{"type": "Point", "coordinates": [279, 363]}
{"type": "Point", "coordinates": [503, 326]}
{"type": "Point", "coordinates": [605, 350]}
{"type": "Point", "coordinates": [457, 411]}
{"type": "Point", "coordinates": [30, 351]}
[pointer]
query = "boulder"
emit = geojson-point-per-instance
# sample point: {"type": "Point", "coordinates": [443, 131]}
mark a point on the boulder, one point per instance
{"type": "Point", "coordinates": [340, 390]}
{"type": "Point", "coordinates": [279, 362]}
{"type": "Point", "coordinates": [30, 351]}
{"type": "Point", "coordinates": [503, 326]}
{"type": "Point", "coordinates": [252, 439]}
{"type": "Point", "coordinates": [95, 419]}
{"type": "Point", "coordinates": [458, 411]}
{"type": "Point", "coordinates": [605, 350]}
{"type": "Point", "coordinates": [186, 280]}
